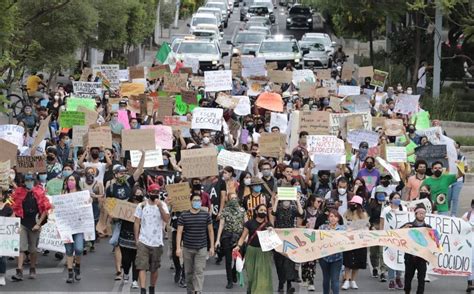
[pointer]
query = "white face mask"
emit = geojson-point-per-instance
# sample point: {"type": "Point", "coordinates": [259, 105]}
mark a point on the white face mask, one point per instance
{"type": "Point", "coordinates": [341, 191]}
{"type": "Point", "coordinates": [206, 140]}
{"type": "Point", "coordinates": [409, 92]}
{"type": "Point", "coordinates": [247, 181]}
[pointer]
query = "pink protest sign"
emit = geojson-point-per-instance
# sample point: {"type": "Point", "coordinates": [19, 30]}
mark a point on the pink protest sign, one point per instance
{"type": "Point", "coordinates": [123, 118]}
{"type": "Point", "coordinates": [163, 136]}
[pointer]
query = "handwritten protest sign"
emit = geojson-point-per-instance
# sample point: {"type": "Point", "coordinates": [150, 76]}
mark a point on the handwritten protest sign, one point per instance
{"type": "Point", "coordinates": [356, 103]}
{"type": "Point", "coordinates": [365, 71]}
{"type": "Point", "coordinates": [326, 151]}
{"type": "Point", "coordinates": [338, 119]}
{"type": "Point", "coordinates": [455, 236]}
{"type": "Point", "coordinates": [347, 70]}
{"type": "Point", "coordinates": [357, 136]}
{"type": "Point", "coordinates": [360, 224]}
{"type": "Point", "coordinates": [303, 75]}
{"type": "Point", "coordinates": [174, 83]}
{"type": "Point", "coordinates": [411, 205]}
{"type": "Point", "coordinates": [73, 213]}
{"type": "Point", "coordinates": [279, 120]}
{"type": "Point", "coordinates": [108, 75]}
{"type": "Point", "coordinates": [392, 170]}
{"type": "Point", "coordinates": [396, 154]}
{"type": "Point", "coordinates": [12, 134]}
{"type": "Point", "coordinates": [207, 118]}
{"type": "Point", "coordinates": [243, 108]}
{"type": "Point", "coordinates": [378, 122]}
{"type": "Point", "coordinates": [219, 80]}
{"type": "Point", "coordinates": [279, 76]}
{"type": "Point", "coordinates": [72, 103]}
{"type": "Point", "coordinates": [432, 153]}
{"type": "Point", "coordinates": [303, 245]}
{"type": "Point", "coordinates": [315, 122]}
{"type": "Point", "coordinates": [78, 133]}
{"type": "Point", "coordinates": [9, 236]}
{"type": "Point", "coordinates": [98, 137]}
{"type": "Point", "coordinates": [136, 72]}
{"type": "Point", "coordinates": [200, 162]}
{"type": "Point", "coordinates": [189, 97]}
{"type": "Point", "coordinates": [227, 101]}
{"type": "Point", "coordinates": [344, 90]}
{"type": "Point", "coordinates": [433, 134]}
{"type": "Point", "coordinates": [50, 239]}
{"type": "Point", "coordinates": [163, 135]}
{"type": "Point", "coordinates": [272, 144]}
{"type": "Point", "coordinates": [138, 139]}
{"type": "Point", "coordinates": [236, 66]}
{"type": "Point", "coordinates": [406, 104]}
{"type": "Point", "coordinates": [91, 88]}
{"type": "Point", "coordinates": [393, 127]}
{"type": "Point", "coordinates": [68, 119]}
{"type": "Point", "coordinates": [335, 103]}
{"type": "Point", "coordinates": [269, 240]}
{"type": "Point", "coordinates": [158, 72]}
{"type": "Point", "coordinates": [120, 209]}
{"type": "Point", "coordinates": [287, 193]}
{"type": "Point", "coordinates": [253, 66]}
{"type": "Point", "coordinates": [307, 89]}
{"type": "Point", "coordinates": [238, 160]}
{"type": "Point", "coordinates": [9, 151]}
{"type": "Point", "coordinates": [379, 78]}
{"type": "Point", "coordinates": [129, 89]}
{"type": "Point", "coordinates": [33, 164]}
{"type": "Point", "coordinates": [355, 122]}
{"type": "Point", "coordinates": [165, 107]}
{"type": "Point", "coordinates": [153, 158]}
{"type": "Point", "coordinates": [42, 131]}
{"type": "Point", "coordinates": [4, 174]}
{"type": "Point", "coordinates": [86, 72]}
{"type": "Point", "coordinates": [179, 196]}
{"type": "Point", "coordinates": [323, 74]}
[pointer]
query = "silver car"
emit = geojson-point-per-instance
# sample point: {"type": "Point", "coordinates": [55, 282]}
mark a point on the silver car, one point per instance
{"type": "Point", "coordinates": [318, 56]}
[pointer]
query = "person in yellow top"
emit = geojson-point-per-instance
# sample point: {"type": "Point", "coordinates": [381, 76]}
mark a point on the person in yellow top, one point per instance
{"type": "Point", "coordinates": [34, 83]}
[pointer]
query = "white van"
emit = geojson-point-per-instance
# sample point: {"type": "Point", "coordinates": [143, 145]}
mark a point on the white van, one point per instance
{"type": "Point", "coordinates": [202, 18]}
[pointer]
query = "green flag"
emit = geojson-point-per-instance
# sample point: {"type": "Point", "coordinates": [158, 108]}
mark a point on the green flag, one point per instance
{"type": "Point", "coordinates": [162, 54]}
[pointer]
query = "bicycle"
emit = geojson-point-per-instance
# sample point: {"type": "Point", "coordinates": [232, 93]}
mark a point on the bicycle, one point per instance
{"type": "Point", "coordinates": [17, 102]}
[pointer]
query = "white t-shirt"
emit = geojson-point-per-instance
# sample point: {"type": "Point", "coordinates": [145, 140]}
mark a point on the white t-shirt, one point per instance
{"type": "Point", "coordinates": [388, 209]}
{"type": "Point", "coordinates": [100, 166]}
{"type": "Point", "coordinates": [421, 78]}
{"type": "Point", "coordinates": [471, 218]}
{"type": "Point", "coordinates": [343, 199]}
{"type": "Point", "coordinates": [151, 229]}
{"type": "Point", "coordinates": [388, 190]}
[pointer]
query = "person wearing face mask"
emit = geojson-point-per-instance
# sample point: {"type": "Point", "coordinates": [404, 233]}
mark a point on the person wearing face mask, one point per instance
{"type": "Point", "coordinates": [302, 145]}
{"type": "Point", "coordinates": [255, 198]}
{"type": "Point", "coordinates": [63, 148]}
{"type": "Point", "coordinates": [370, 174]}
{"type": "Point", "coordinates": [31, 205]}
{"type": "Point", "coordinates": [229, 185]}
{"type": "Point", "coordinates": [376, 252]}
{"type": "Point", "coordinates": [150, 216]}
{"type": "Point", "coordinates": [53, 166]}
{"type": "Point", "coordinates": [415, 263]}
{"type": "Point", "coordinates": [96, 190]}
{"type": "Point", "coordinates": [94, 161]}
{"type": "Point", "coordinates": [28, 117]}
{"type": "Point", "coordinates": [267, 177]}
{"type": "Point", "coordinates": [340, 195]}
{"type": "Point", "coordinates": [54, 186]}
{"type": "Point", "coordinates": [54, 105]}
{"type": "Point", "coordinates": [439, 184]}
{"type": "Point", "coordinates": [206, 139]}
{"type": "Point", "coordinates": [115, 125]}
{"type": "Point", "coordinates": [425, 193]}
{"type": "Point", "coordinates": [285, 214]}
{"type": "Point", "coordinates": [230, 228]}
{"type": "Point", "coordinates": [196, 188]}
{"type": "Point", "coordinates": [414, 181]}
{"type": "Point", "coordinates": [469, 217]}
{"type": "Point", "coordinates": [387, 186]}
{"type": "Point", "coordinates": [258, 264]}
{"type": "Point", "coordinates": [244, 185]}
{"type": "Point", "coordinates": [356, 259]}
{"type": "Point", "coordinates": [394, 277]}
{"type": "Point", "coordinates": [359, 158]}
{"type": "Point", "coordinates": [42, 179]}
{"type": "Point", "coordinates": [194, 226]}
{"type": "Point", "coordinates": [322, 186]}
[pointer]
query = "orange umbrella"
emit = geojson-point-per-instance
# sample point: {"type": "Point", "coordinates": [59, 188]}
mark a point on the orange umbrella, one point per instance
{"type": "Point", "coordinates": [270, 101]}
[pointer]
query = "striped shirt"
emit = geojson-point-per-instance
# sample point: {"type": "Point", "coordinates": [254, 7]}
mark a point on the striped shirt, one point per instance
{"type": "Point", "coordinates": [194, 228]}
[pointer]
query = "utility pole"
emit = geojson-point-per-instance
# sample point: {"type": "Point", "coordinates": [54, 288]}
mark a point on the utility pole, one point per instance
{"type": "Point", "coordinates": [157, 34]}
{"type": "Point", "coordinates": [437, 52]}
{"type": "Point", "coordinates": [176, 14]}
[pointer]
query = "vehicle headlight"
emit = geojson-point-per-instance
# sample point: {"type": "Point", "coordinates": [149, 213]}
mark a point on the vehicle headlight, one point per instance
{"type": "Point", "coordinates": [310, 19]}
{"type": "Point", "coordinates": [214, 62]}
{"type": "Point", "coordinates": [297, 60]}
{"type": "Point", "coordinates": [288, 20]}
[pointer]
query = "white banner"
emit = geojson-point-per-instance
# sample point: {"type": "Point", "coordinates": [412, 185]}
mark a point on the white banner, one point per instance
{"type": "Point", "coordinates": [396, 154]}
{"type": "Point", "coordinates": [406, 104]}
{"type": "Point", "coordinates": [326, 151]}
{"type": "Point", "coordinates": [50, 239]}
{"type": "Point", "coordinates": [243, 107]}
{"type": "Point", "coordinates": [207, 118]}
{"type": "Point", "coordinates": [357, 136]}
{"type": "Point", "coordinates": [9, 236]}
{"type": "Point", "coordinates": [455, 237]}
{"type": "Point", "coordinates": [238, 160]}
{"type": "Point", "coordinates": [348, 90]}
{"type": "Point", "coordinates": [279, 120]}
{"type": "Point", "coordinates": [218, 80]}
{"type": "Point", "coordinates": [12, 134]}
{"type": "Point", "coordinates": [153, 158]}
{"type": "Point", "coordinates": [90, 88]}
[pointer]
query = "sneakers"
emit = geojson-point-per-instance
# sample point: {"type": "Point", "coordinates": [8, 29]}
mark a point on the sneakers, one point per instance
{"type": "Point", "coordinates": [354, 285]}
{"type": "Point", "coordinates": [427, 279]}
{"type": "Point", "coordinates": [118, 276]}
{"type": "Point", "coordinates": [32, 273]}
{"type": "Point", "coordinates": [346, 285]}
{"type": "Point", "coordinates": [375, 273]}
{"type": "Point", "coordinates": [70, 277]}
{"type": "Point", "coordinates": [135, 285]}
{"type": "Point", "coordinates": [182, 283]}
{"type": "Point", "coordinates": [77, 273]}
{"type": "Point", "coordinates": [383, 279]}
{"type": "Point", "coordinates": [18, 276]}
{"type": "Point", "coordinates": [311, 288]}
{"type": "Point", "coordinates": [229, 285]}
{"type": "Point", "coordinates": [391, 285]}
{"type": "Point", "coordinates": [126, 278]}
{"type": "Point", "coordinates": [399, 284]}
{"type": "Point", "coordinates": [3, 282]}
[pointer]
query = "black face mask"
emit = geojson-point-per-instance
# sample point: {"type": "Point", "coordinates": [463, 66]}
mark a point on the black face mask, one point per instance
{"type": "Point", "coordinates": [353, 207]}
{"type": "Point", "coordinates": [254, 154]}
{"type": "Point", "coordinates": [152, 197]}
{"type": "Point", "coordinates": [197, 187]}
{"type": "Point", "coordinates": [324, 180]}
{"type": "Point", "coordinates": [424, 195]}
{"type": "Point", "coordinates": [385, 183]}
{"type": "Point", "coordinates": [262, 214]}
{"type": "Point", "coordinates": [411, 131]}
{"type": "Point", "coordinates": [138, 198]}
{"type": "Point", "coordinates": [369, 165]}
{"type": "Point", "coordinates": [89, 178]}
{"type": "Point", "coordinates": [95, 155]}
{"type": "Point", "coordinates": [438, 173]}
{"type": "Point", "coordinates": [50, 158]}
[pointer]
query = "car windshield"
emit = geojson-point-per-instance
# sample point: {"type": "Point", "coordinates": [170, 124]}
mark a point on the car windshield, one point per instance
{"type": "Point", "coordinates": [258, 10]}
{"type": "Point", "coordinates": [204, 34]}
{"type": "Point", "coordinates": [268, 5]}
{"type": "Point", "coordinates": [198, 48]}
{"type": "Point", "coordinates": [260, 19]}
{"type": "Point", "coordinates": [299, 10]}
{"type": "Point", "coordinates": [221, 6]}
{"type": "Point", "coordinates": [312, 46]}
{"type": "Point", "coordinates": [203, 20]}
{"type": "Point", "coordinates": [255, 24]}
{"type": "Point", "coordinates": [249, 38]}
{"type": "Point", "coordinates": [280, 46]}
{"type": "Point", "coordinates": [324, 41]}
{"type": "Point", "coordinates": [216, 13]}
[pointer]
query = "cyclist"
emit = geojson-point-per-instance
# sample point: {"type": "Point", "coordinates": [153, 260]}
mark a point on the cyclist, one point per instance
{"type": "Point", "coordinates": [34, 84]}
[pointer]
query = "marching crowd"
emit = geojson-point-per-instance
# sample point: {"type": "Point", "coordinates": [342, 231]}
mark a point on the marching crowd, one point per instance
{"type": "Point", "coordinates": [228, 209]}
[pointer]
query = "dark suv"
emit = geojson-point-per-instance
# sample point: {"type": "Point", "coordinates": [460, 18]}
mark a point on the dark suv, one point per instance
{"type": "Point", "coordinates": [300, 16]}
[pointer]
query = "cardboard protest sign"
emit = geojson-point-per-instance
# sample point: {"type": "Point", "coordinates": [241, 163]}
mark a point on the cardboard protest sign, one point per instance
{"type": "Point", "coordinates": [72, 103]}
{"type": "Point", "coordinates": [433, 134]}
{"type": "Point", "coordinates": [43, 129]}
{"type": "Point", "coordinates": [207, 118]}
{"type": "Point", "coordinates": [272, 144]}
{"type": "Point", "coordinates": [268, 240]}
{"type": "Point", "coordinates": [138, 139]}
{"type": "Point", "coordinates": [243, 108]}
{"type": "Point", "coordinates": [406, 104]}
{"type": "Point", "coordinates": [189, 97]}
{"type": "Point", "coordinates": [163, 135]}
{"type": "Point", "coordinates": [323, 74]}
{"type": "Point", "coordinates": [393, 127]}
{"type": "Point", "coordinates": [35, 164]}
{"type": "Point", "coordinates": [86, 72]}
{"type": "Point", "coordinates": [50, 239]}
{"type": "Point", "coordinates": [432, 153]}
{"type": "Point", "coordinates": [307, 89]}
{"type": "Point", "coordinates": [153, 158]}
{"type": "Point", "coordinates": [90, 115]}
{"type": "Point", "coordinates": [179, 196]}
{"type": "Point", "coordinates": [238, 160]}
{"type": "Point", "coordinates": [344, 90]}
{"type": "Point", "coordinates": [219, 80]}
{"type": "Point", "coordinates": [227, 101]}
{"type": "Point", "coordinates": [236, 66]}
{"type": "Point", "coordinates": [411, 205]}
{"type": "Point", "coordinates": [9, 236]}
{"type": "Point", "coordinates": [356, 103]}
{"type": "Point", "coordinates": [138, 103]}
{"type": "Point", "coordinates": [165, 108]}
{"type": "Point", "coordinates": [68, 119]}
{"type": "Point", "coordinates": [73, 214]}
{"type": "Point", "coordinates": [91, 88]}
{"type": "Point", "coordinates": [396, 154]}
{"type": "Point", "coordinates": [9, 152]}
{"type": "Point", "coordinates": [136, 72]}
{"type": "Point", "coordinates": [129, 89]}
{"type": "Point", "coordinates": [12, 134]}
{"type": "Point", "coordinates": [97, 137]}
{"type": "Point", "coordinates": [108, 75]}
{"type": "Point", "coordinates": [379, 78]}
{"type": "Point", "coordinates": [303, 75]}
{"type": "Point", "coordinates": [356, 137]}
{"type": "Point", "coordinates": [253, 66]}
{"type": "Point", "coordinates": [280, 76]}
{"type": "Point", "coordinates": [315, 122]}
{"type": "Point", "coordinates": [335, 103]}
{"type": "Point", "coordinates": [279, 120]}
{"type": "Point", "coordinates": [454, 234]}
{"type": "Point", "coordinates": [287, 193]}
{"type": "Point", "coordinates": [5, 175]}
{"type": "Point", "coordinates": [347, 70]}
{"type": "Point", "coordinates": [158, 72]}
{"type": "Point", "coordinates": [354, 122]}
{"type": "Point", "coordinates": [199, 163]}
{"type": "Point", "coordinates": [365, 71]}
{"type": "Point", "coordinates": [337, 120]}
{"type": "Point", "coordinates": [120, 209]}
{"type": "Point", "coordinates": [174, 83]}
{"type": "Point", "coordinates": [378, 122]}
{"type": "Point", "coordinates": [388, 167]}
{"type": "Point", "coordinates": [321, 92]}
{"type": "Point", "coordinates": [303, 245]}
{"type": "Point", "coordinates": [326, 151]}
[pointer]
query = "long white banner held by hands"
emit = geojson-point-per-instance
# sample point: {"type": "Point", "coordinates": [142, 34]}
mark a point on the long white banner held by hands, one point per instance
{"type": "Point", "coordinates": [207, 118]}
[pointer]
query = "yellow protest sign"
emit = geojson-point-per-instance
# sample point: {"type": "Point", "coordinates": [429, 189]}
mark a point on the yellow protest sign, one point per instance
{"type": "Point", "coordinates": [129, 89]}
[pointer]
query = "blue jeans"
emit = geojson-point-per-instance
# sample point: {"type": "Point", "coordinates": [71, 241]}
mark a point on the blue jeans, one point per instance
{"type": "Point", "coordinates": [3, 265]}
{"type": "Point", "coordinates": [77, 247]}
{"type": "Point", "coordinates": [453, 197]}
{"type": "Point", "coordinates": [331, 271]}
{"type": "Point", "coordinates": [392, 274]}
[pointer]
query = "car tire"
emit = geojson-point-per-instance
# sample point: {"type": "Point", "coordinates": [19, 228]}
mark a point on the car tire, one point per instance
{"type": "Point", "coordinates": [225, 24]}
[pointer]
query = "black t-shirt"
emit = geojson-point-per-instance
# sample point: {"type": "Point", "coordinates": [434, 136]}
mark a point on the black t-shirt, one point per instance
{"type": "Point", "coordinates": [6, 210]}
{"type": "Point", "coordinates": [30, 211]}
{"type": "Point", "coordinates": [121, 191]}
{"type": "Point", "coordinates": [194, 228]}
{"type": "Point", "coordinates": [252, 225]}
